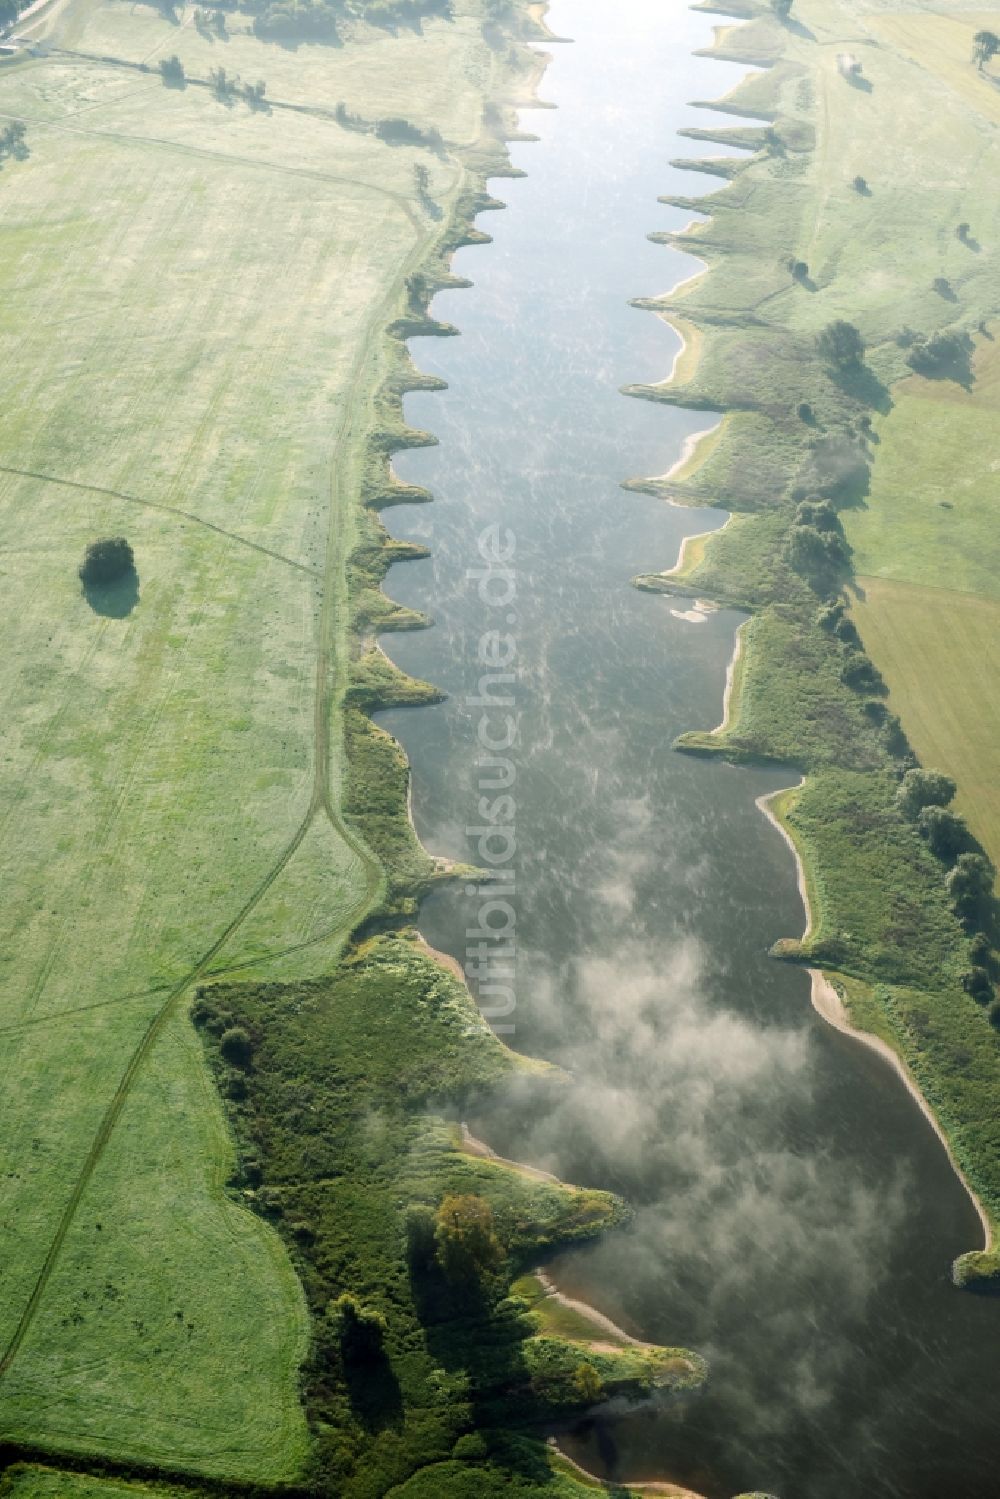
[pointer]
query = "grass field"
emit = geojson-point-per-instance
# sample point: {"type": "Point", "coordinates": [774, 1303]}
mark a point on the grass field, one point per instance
{"type": "Point", "coordinates": [939, 652]}
{"type": "Point", "coordinates": [193, 295]}
{"type": "Point", "coordinates": [927, 558]}
{"type": "Point", "coordinates": [861, 186]}
{"type": "Point", "coordinates": [26, 1481]}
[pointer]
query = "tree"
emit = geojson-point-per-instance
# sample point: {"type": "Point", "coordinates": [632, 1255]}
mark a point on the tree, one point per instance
{"type": "Point", "coordinates": [782, 9]}
{"type": "Point", "coordinates": [172, 69]}
{"type": "Point", "coordinates": [841, 345]}
{"type": "Point", "coordinates": [359, 1329]}
{"type": "Point", "coordinates": [106, 560]}
{"type": "Point", "coordinates": [860, 185]}
{"type": "Point", "coordinates": [945, 831]}
{"type": "Point", "coordinates": [12, 139]}
{"type": "Point", "coordinates": [236, 1046]}
{"type": "Point", "coordinates": [985, 46]}
{"type": "Point", "coordinates": [943, 355]}
{"type": "Point", "coordinates": [818, 513]}
{"type": "Point", "coordinates": [970, 885]}
{"type": "Point", "coordinates": [421, 1246]}
{"type": "Point", "coordinates": [467, 1245]}
{"type": "Point", "coordinates": [587, 1383]}
{"type": "Point", "coordinates": [924, 788]}
{"type": "Point", "coordinates": [860, 672]}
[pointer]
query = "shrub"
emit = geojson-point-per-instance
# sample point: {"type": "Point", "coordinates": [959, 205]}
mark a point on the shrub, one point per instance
{"type": "Point", "coordinates": [860, 185]}
{"type": "Point", "coordinates": [236, 1046]}
{"type": "Point", "coordinates": [470, 1448]}
{"type": "Point", "coordinates": [977, 982]}
{"type": "Point", "coordinates": [805, 412]}
{"type": "Point", "coordinates": [994, 1014]}
{"type": "Point", "coordinates": [924, 788]}
{"type": "Point", "coordinates": [106, 560]}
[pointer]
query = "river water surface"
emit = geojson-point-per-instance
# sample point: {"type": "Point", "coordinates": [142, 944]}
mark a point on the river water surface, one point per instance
{"type": "Point", "coordinates": [795, 1216]}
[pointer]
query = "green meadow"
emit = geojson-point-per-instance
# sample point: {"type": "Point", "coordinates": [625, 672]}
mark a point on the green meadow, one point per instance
{"type": "Point", "coordinates": [195, 293]}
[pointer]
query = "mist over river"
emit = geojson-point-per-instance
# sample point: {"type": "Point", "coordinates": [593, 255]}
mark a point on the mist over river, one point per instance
{"type": "Point", "coordinates": [795, 1217]}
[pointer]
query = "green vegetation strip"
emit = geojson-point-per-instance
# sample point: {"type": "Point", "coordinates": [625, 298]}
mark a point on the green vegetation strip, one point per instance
{"type": "Point", "coordinates": [844, 326]}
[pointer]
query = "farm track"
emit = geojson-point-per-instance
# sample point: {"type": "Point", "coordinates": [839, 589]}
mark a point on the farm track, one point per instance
{"type": "Point", "coordinates": [186, 515]}
{"type": "Point", "coordinates": [331, 682]}
{"type": "Point", "coordinates": [127, 137]}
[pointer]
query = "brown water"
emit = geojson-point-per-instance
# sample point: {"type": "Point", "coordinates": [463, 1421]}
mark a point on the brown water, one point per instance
{"type": "Point", "coordinates": [795, 1216]}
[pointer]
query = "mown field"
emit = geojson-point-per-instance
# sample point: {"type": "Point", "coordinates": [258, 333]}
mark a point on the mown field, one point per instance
{"type": "Point", "coordinates": [193, 294]}
{"type": "Point", "coordinates": [927, 558]}
{"type": "Point", "coordinates": [863, 202]}
{"type": "Point", "coordinates": [938, 652]}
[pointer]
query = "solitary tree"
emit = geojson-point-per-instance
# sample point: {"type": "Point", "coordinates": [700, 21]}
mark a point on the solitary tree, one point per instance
{"type": "Point", "coordinates": [467, 1245]}
{"type": "Point", "coordinates": [985, 46]}
{"type": "Point", "coordinates": [782, 9]}
{"type": "Point", "coordinates": [841, 345]}
{"type": "Point", "coordinates": [106, 560]}
{"type": "Point", "coordinates": [587, 1383]}
{"type": "Point", "coordinates": [172, 70]}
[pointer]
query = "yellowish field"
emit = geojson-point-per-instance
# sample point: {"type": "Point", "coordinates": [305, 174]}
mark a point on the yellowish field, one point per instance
{"type": "Point", "coordinates": [941, 45]}
{"type": "Point", "coordinates": [189, 351]}
{"type": "Point", "coordinates": [939, 652]}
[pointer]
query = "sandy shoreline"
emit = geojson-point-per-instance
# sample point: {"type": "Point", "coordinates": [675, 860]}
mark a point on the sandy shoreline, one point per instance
{"type": "Point", "coordinates": [655, 1486]}
{"type": "Point", "coordinates": [727, 696]}
{"type": "Point", "coordinates": [584, 1309]}
{"type": "Point", "coordinates": [472, 1146]}
{"type": "Point", "coordinates": [828, 1004]}
{"type": "Point", "coordinates": [693, 439]}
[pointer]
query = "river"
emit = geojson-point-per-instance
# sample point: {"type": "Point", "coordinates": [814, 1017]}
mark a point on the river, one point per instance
{"type": "Point", "coordinates": [795, 1216]}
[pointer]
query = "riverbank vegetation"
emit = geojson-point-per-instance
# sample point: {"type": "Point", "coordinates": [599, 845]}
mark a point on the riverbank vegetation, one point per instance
{"type": "Point", "coordinates": [340, 1097]}
{"type": "Point", "coordinates": [200, 795]}
{"type": "Point", "coordinates": [845, 333]}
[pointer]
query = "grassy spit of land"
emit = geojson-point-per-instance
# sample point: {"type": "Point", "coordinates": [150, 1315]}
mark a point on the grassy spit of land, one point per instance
{"type": "Point", "coordinates": [207, 294]}
{"type": "Point", "coordinates": [862, 202]}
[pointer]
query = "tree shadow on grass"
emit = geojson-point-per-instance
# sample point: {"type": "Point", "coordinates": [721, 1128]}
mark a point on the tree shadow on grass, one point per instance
{"type": "Point", "coordinates": [864, 386]}
{"type": "Point", "coordinates": [114, 600]}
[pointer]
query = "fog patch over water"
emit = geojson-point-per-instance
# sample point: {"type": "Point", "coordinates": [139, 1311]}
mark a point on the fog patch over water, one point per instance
{"type": "Point", "coordinates": [691, 1111]}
